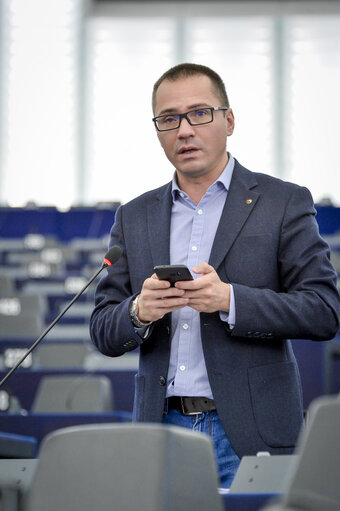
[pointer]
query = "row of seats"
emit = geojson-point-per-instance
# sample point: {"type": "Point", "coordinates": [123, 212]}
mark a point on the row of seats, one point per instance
{"type": "Point", "coordinates": [30, 302]}
{"type": "Point", "coordinates": [61, 382]}
{"type": "Point", "coordinates": [103, 467]}
{"type": "Point", "coordinates": [332, 349]}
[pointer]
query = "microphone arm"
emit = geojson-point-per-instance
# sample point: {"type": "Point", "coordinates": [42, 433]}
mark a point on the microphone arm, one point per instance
{"type": "Point", "coordinates": [110, 258]}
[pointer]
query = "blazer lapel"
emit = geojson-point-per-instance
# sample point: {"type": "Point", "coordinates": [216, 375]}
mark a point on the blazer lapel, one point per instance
{"type": "Point", "coordinates": [238, 206]}
{"type": "Point", "coordinates": [158, 218]}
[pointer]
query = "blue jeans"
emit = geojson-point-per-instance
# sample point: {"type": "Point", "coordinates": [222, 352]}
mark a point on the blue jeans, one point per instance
{"type": "Point", "coordinates": [208, 422]}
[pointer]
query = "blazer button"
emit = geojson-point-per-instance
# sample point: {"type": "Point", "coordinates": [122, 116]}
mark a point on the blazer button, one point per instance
{"type": "Point", "coordinates": [162, 381]}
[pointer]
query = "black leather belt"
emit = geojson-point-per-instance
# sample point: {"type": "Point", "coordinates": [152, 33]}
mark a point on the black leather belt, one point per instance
{"type": "Point", "coordinates": [190, 405]}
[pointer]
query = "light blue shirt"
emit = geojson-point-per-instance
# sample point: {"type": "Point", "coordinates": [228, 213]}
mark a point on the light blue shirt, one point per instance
{"type": "Point", "coordinates": [192, 232]}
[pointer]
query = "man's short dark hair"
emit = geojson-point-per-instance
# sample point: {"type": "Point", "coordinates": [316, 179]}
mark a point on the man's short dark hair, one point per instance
{"type": "Point", "coordinates": [186, 70]}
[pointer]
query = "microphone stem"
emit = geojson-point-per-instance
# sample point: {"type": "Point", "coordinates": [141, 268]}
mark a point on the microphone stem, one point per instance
{"type": "Point", "coordinates": [52, 325]}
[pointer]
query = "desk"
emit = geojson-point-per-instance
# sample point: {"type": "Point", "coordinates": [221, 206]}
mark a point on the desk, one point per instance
{"type": "Point", "coordinates": [246, 501]}
{"type": "Point", "coordinates": [17, 446]}
{"type": "Point", "coordinates": [17, 475]}
{"type": "Point", "coordinates": [38, 425]}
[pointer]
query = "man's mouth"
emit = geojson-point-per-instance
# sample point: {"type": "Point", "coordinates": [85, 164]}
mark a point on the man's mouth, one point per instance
{"type": "Point", "coordinates": [188, 150]}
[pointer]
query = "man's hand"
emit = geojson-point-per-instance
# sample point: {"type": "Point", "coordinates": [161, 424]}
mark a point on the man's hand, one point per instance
{"type": "Point", "coordinates": [206, 293]}
{"type": "Point", "coordinates": [157, 298]}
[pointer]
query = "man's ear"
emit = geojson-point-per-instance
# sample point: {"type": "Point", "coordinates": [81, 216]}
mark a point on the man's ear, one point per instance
{"type": "Point", "coordinates": [230, 120]}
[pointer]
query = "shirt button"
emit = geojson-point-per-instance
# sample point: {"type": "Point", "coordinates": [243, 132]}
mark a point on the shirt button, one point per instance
{"type": "Point", "coordinates": [185, 326]}
{"type": "Point", "coordinates": [182, 367]}
{"type": "Point", "coordinates": [194, 248]}
{"type": "Point", "coordinates": [200, 211]}
{"type": "Point", "coordinates": [181, 194]}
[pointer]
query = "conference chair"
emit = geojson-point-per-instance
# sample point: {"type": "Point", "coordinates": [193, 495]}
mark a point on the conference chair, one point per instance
{"type": "Point", "coordinates": [44, 287]}
{"type": "Point", "coordinates": [135, 467]}
{"type": "Point", "coordinates": [61, 354]}
{"type": "Point", "coordinates": [20, 327]}
{"type": "Point", "coordinates": [15, 304]}
{"type": "Point", "coordinates": [88, 244]}
{"type": "Point", "coordinates": [314, 481]}
{"type": "Point", "coordinates": [22, 316]}
{"type": "Point", "coordinates": [6, 285]}
{"type": "Point", "coordinates": [95, 360]}
{"type": "Point", "coordinates": [10, 244]}
{"type": "Point", "coordinates": [332, 356]}
{"type": "Point", "coordinates": [74, 393]}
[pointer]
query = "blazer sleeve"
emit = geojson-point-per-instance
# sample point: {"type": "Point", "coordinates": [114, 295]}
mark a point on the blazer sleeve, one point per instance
{"type": "Point", "coordinates": [307, 305]}
{"type": "Point", "coordinates": [111, 329]}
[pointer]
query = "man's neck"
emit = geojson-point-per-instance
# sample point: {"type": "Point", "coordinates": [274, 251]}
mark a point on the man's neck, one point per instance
{"type": "Point", "coordinates": [196, 186]}
{"type": "Point", "coordinates": [195, 190]}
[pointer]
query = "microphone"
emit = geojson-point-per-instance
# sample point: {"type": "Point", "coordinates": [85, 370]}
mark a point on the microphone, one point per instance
{"type": "Point", "coordinates": [111, 257]}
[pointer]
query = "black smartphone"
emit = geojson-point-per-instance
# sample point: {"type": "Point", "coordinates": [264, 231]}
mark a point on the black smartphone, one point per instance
{"type": "Point", "coordinates": [173, 272]}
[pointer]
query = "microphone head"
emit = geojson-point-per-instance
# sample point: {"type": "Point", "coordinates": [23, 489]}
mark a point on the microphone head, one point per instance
{"type": "Point", "coordinates": [112, 256]}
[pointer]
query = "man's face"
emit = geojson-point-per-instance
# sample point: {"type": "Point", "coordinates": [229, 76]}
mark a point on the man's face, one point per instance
{"type": "Point", "coordinates": [194, 150]}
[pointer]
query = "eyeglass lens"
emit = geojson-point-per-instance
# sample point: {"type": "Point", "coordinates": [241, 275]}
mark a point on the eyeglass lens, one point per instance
{"type": "Point", "coordinates": [172, 121]}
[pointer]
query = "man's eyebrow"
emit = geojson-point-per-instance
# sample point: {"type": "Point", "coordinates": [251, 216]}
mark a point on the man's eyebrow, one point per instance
{"type": "Point", "coordinates": [191, 107]}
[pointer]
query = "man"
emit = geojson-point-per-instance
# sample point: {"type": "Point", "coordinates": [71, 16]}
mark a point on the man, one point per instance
{"type": "Point", "coordinates": [214, 351]}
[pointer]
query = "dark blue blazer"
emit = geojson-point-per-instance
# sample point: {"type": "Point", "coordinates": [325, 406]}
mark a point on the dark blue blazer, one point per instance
{"type": "Point", "coordinates": [268, 246]}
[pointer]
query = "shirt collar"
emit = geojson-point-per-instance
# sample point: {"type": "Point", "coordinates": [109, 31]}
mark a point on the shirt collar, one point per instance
{"type": "Point", "coordinates": [224, 179]}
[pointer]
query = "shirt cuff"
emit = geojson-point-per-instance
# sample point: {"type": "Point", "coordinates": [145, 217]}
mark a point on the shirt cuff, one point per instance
{"type": "Point", "coordinates": [230, 317]}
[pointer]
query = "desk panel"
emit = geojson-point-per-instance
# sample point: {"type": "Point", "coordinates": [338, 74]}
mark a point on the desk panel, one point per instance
{"type": "Point", "coordinates": [38, 425]}
{"type": "Point", "coordinates": [246, 501]}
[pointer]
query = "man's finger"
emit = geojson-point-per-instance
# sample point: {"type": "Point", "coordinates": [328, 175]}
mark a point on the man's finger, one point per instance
{"type": "Point", "coordinates": [203, 268]}
{"type": "Point", "coordinates": [154, 283]}
{"type": "Point", "coordinates": [170, 303]}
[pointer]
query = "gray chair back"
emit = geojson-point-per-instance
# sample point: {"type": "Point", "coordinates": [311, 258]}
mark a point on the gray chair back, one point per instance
{"type": "Point", "coordinates": [20, 327]}
{"type": "Point", "coordinates": [144, 467]}
{"type": "Point", "coordinates": [6, 285]}
{"type": "Point", "coordinates": [75, 393]}
{"type": "Point", "coordinates": [23, 304]}
{"type": "Point", "coordinates": [61, 354]}
{"type": "Point", "coordinates": [314, 481]}
{"type": "Point", "coordinates": [22, 316]}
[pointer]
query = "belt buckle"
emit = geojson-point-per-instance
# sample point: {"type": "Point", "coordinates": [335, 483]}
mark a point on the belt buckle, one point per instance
{"type": "Point", "coordinates": [184, 409]}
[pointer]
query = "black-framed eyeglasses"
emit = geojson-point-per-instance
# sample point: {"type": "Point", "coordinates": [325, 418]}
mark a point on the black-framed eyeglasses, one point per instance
{"type": "Point", "coordinates": [195, 117]}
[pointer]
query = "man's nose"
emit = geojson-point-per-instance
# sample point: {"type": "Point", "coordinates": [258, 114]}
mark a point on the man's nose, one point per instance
{"type": "Point", "coordinates": [185, 129]}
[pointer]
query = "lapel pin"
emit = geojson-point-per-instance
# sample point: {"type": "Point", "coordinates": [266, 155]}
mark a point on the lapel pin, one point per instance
{"type": "Point", "coordinates": [249, 201]}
